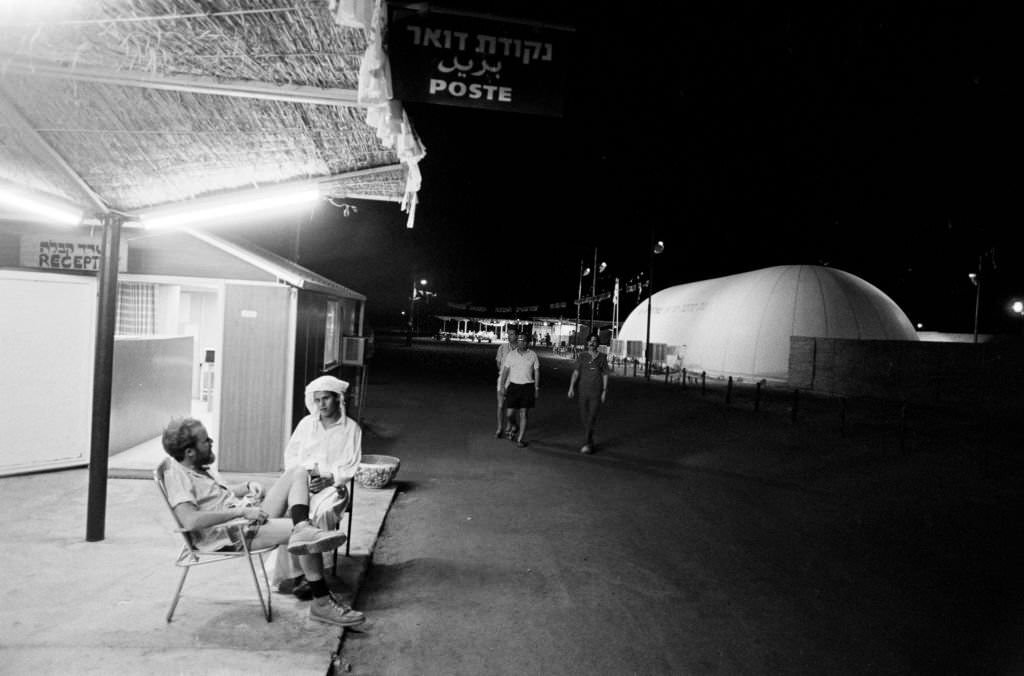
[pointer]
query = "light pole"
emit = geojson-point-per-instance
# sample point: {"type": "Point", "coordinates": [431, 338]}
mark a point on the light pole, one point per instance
{"type": "Point", "coordinates": [975, 278]}
{"type": "Point", "coordinates": [412, 309]}
{"type": "Point", "coordinates": [656, 248]}
{"type": "Point", "coordinates": [579, 300]}
{"type": "Point", "coordinates": [598, 269]}
{"type": "Point", "coordinates": [615, 310]}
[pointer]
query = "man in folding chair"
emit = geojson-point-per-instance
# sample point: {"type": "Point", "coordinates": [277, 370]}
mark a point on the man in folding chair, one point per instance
{"type": "Point", "coordinates": [202, 500]}
{"type": "Point", "coordinates": [328, 445]}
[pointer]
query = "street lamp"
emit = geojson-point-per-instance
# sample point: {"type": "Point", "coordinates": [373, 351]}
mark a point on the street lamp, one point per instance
{"type": "Point", "coordinates": [598, 269]}
{"type": "Point", "coordinates": [975, 278]}
{"type": "Point", "coordinates": [579, 299]}
{"type": "Point", "coordinates": [1018, 307]}
{"type": "Point", "coordinates": [412, 308]}
{"type": "Point", "coordinates": [656, 248]}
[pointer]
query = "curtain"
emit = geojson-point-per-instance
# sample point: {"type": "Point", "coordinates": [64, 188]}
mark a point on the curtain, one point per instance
{"type": "Point", "coordinates": [136, 309]}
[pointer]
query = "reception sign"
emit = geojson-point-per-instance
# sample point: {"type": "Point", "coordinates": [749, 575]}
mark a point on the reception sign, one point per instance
{"type": "Point", "coordinates": [478, 63]}
{"type": "Point", "coordinates": [67, 253]}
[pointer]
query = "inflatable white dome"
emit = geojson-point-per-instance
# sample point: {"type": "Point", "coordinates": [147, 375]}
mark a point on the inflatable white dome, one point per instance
{"type": "Point", "coordinates": [740, 325]}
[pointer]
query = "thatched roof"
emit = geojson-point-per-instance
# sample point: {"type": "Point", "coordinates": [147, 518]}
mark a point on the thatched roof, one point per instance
{"type": "Point", "coordinates": [139, 103]}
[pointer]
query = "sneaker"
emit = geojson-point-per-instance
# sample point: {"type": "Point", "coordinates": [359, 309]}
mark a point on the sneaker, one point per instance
{"type": "Point", "coordinates": [308, 539]}
{"type": "Point", "coordinates": [331, 610]}
{"type": "Point", "coordinates": [303, 591]}
{"type": "Point", "coordinates": [289, 585]}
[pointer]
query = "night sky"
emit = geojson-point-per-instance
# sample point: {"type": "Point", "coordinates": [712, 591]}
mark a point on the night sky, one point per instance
{"type": "Point", "coordinates": [870, 139]}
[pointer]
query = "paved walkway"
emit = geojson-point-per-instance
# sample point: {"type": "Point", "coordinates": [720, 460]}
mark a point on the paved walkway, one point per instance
{"type": "Point", "coordinates": [702, 538]}
{"type": "Point", "coordinates": [71, 606]}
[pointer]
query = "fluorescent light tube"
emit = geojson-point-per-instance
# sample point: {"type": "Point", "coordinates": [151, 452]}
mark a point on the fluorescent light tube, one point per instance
{"type": "Point", "coordinates": [34, 205]}
{"type": "Point", "coordinates": [241, 205]}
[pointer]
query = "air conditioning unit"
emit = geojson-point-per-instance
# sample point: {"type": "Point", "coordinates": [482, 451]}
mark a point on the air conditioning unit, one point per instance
{"type": "Point", "coordinates": [353, 350]}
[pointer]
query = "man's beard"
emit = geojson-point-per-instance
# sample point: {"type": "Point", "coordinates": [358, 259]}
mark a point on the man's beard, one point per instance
{"type": "Point", "coordinates": [204, 463]}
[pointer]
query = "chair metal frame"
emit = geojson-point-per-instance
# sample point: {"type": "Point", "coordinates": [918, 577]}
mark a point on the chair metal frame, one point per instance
{"type": "Point", "coordinates": [348, 508]}
{"type": "Point", "coordinates": [190, 556]}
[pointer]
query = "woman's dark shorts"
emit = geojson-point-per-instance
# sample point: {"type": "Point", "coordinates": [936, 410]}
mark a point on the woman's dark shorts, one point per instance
{"type": "Point", "coordinates": [519, 396]}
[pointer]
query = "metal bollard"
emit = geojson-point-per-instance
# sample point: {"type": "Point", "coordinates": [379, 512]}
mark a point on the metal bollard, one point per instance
{"type": "Point", "coordinates": [635, 361]}
{"type": "Point", "coordinates": [682, 381]}
{"type": "Point", "coordinates": [757, 396]}
{"type": "Point", "coordinates": [703, 383]}
{"type": "Point", "coordinates": [728, 392]}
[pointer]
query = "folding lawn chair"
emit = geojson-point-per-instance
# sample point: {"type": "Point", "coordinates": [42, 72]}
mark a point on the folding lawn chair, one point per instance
{"type": "Point", "coordinates": [191, 556]}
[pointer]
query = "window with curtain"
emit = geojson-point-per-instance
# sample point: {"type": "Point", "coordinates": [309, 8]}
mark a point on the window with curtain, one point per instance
{"type": "Point", "coordinates": [136, 309]}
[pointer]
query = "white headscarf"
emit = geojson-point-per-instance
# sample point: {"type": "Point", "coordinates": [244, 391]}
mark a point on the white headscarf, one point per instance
{"type": "Point", "coordinates": [325, 384]}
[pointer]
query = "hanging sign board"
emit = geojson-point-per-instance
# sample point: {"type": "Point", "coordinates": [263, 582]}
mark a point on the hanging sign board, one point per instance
{"type": "Point", "coordinates": [477, 63]}
{"type": "Point", "coordinates": [67, 253]}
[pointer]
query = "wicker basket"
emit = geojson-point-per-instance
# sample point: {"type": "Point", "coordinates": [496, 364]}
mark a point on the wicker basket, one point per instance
{"type": "Point", "coordinates": [377, 471]}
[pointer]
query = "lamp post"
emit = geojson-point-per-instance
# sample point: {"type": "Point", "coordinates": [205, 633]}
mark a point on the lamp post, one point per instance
{"type": "Point", "coordinates": [412, 309]}
{"type": "Point", "coordinates": [598, 269]}
{"type": "Point", "coordinates": [975, 278]}
{"type": "Point", "coordinates": [656, 248]}
{"type": "Point", "coordinates": [579, 300]}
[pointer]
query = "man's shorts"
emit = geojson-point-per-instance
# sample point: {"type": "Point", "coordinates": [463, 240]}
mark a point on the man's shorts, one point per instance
{"type": "Point", "coordinates": [520, 396]}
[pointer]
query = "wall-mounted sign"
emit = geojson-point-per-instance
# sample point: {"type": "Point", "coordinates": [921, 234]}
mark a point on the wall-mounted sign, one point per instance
{"type": "Point", "coordinates": [479, 63]}
{"type": "Point", "coordinates": [67, 253]}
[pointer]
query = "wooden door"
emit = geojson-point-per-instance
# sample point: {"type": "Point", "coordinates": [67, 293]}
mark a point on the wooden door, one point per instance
{"type": "Point", "coordinates": [254, 382]}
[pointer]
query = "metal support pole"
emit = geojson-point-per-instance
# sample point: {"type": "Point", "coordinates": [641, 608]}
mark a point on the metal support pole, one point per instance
{"type": "Point", "coordinates": [412, 306]}
{"type": "Point", "coordinates": [615, 310]}
{"type": "Point", "coordinates": [593, 293]}
{"type": "Point", "coordinates": [977, 300]}
{"type": "Point", "coordinates": [579, 302]}
{"type": "Point", "coordinates": [728, 392]}
{"type": "Point", "coordinates": [650, 299]}
{"type": "Point", "coordinates": [102, 379]}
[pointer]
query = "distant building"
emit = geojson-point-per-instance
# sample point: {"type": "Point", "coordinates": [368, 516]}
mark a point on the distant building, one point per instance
{"type": "Point", "coordinates": [741, 325]}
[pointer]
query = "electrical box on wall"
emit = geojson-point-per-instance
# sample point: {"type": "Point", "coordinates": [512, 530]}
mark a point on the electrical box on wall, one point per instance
{"type": "Point", "coordinates": [353, 350]}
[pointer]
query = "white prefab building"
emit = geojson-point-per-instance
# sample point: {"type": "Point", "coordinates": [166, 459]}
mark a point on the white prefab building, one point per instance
{"type": "Point", "coordinates": [206, 326]}
{"type": "Point", "coordinates": [741, 325]}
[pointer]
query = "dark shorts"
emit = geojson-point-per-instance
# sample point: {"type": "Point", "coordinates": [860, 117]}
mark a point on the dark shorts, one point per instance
{"type": "Point", "coordinates": [519, 396]}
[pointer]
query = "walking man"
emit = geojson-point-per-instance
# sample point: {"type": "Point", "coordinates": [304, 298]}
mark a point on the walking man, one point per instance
{"type": "Point", "coordinates": [503, 351]}
{"type": "Point", "coordinates": [520, 381]}
{"type": "Point", "coordinates": [591, 373]}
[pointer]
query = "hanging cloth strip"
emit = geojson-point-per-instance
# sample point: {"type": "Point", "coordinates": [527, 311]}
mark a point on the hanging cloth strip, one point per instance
{"type": "Point", "coordinates": [383, 112]}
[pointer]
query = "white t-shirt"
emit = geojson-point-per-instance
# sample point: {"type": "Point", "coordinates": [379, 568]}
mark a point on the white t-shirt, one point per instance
{"type": "Point", "coordinates": [521, 366]}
